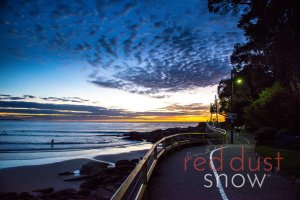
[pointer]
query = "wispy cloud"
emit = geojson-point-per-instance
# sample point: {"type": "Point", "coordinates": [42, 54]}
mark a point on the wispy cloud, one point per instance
{"type": "Point", "coordinates": [50, 111]}
{"type": "Point", "coordinates": [143, 47]}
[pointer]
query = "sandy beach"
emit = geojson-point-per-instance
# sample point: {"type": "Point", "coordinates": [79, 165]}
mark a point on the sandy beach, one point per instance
{"type": "Point", "coordinates": [29, 178]}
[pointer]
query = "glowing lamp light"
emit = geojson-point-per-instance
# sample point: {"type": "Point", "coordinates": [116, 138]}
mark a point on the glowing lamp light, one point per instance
{"type": "Point", "coordinates": [239, 81]}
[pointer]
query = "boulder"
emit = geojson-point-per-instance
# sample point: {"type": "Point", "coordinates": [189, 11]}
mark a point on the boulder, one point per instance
{"type": "Point", "coordinates": [83, 192]}
{"type": "Point", "coordinates": [135, 161]}
{"type": "Point", "coordinates": [92, 184]}
{"type": "Point", "coordinates": [122, 162]}
{"type": "Point", "coordinates": [134, 136]}
{"type": "Point", "coordinates": [25, 195]}
{"type": "Point", "coordinates": [124, 169]}
{"type": "Point", "coordinates": [92, 168]}
{"type": "Point", "coordinates": [111, 179]}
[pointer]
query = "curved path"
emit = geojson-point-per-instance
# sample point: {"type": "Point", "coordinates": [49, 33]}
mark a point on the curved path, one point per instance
{"type": "Point", "coordinates": [173, 181]}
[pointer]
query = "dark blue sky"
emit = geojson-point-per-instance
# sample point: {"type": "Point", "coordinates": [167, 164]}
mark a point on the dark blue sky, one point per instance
{"type": "Point", "coordinates": [156, 49]}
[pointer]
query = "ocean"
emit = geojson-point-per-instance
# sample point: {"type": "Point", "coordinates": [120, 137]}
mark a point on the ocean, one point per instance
{"type": "Point", "coordinates": [29, 142]}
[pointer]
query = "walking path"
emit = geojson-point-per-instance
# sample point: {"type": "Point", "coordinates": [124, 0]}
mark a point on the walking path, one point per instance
{"type": "Point", "coordinates": [173, 181]}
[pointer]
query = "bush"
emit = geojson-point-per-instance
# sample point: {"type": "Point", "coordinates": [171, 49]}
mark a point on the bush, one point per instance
{"type": "Point", "coordinates": [287, 139]}
{"type": "Point", "coordinates": [282, 132]}
{"type": "Point", "coordinates": [265, 136]}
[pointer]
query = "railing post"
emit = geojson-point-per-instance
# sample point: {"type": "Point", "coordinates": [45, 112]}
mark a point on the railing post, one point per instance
{"type": "Point", "coordinates": [203, 137]}
{"type": "Point", "coordinates": [144, 173]}
{"type": "Point", "coordinates": [190, 139]}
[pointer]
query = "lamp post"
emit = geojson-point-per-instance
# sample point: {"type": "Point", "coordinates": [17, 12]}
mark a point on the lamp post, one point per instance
{"type": "Point", "coordinates": [238, 81]}
{"type": "Point", "coordinates": [216, 103]}
{"type": "Point", "coordinates": [231, 120]}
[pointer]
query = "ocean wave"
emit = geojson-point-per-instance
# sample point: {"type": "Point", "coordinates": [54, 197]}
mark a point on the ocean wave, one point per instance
{"type": "Point", "coordinates": [55, 143]}
{"type": "Point", "coordinates": [51, 135]}
{"type": "Point", "coordinates": [73, 148]}
{"type": "Point", "coordinates": [65, 131]}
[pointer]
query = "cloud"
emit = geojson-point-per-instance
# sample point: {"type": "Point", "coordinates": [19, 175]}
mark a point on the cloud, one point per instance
{"type": "Point", "coordinates": [54, 111]}
{"type": "Point", "coordinates": [51, 111]}
{"type": "Point", "coordinates": [29, 96]}
{"type": "Point", "coordinates": [195, 107]}
{"type": "Point", "coordinates": [141, 47]}
{"type": "Point", "coordinates": [65, 99]}
{"type": "Point", "coordinates": [9, 97]}
{"type": "Point", "coordinates": [6, 97]}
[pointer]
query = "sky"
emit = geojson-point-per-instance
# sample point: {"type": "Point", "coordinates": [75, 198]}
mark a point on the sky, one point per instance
{"type": "Point", "coordinates": [112, 60]}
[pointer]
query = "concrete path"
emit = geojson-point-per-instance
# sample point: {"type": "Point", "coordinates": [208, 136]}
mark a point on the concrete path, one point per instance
{"type": "Point", "coordinates": [173, 181]}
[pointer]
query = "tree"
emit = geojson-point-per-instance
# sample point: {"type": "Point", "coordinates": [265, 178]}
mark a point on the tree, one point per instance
{"type": "Point", "coordinates": [269, 55]}
{"type": "Point", "coordinates": [272, 30]}
{"type": "Point", "coordinates": [261, 112]}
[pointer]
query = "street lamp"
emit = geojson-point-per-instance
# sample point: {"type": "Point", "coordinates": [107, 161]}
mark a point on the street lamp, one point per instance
{"type": "Point", "coordinates": [231, 120]}
{"type": "Point", "coordinates": [239, 81]}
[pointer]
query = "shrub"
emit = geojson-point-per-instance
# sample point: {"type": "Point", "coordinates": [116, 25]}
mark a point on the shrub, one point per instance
{"type": "Point", "coordinates": [265, 136]}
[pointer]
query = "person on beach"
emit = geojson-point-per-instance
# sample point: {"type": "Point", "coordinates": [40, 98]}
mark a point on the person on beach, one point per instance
{"type": "Point", "coordinates": [52, 143]}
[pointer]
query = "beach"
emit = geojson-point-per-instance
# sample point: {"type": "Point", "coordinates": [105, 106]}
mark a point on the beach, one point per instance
{"type": "Point", "coordinates": [29, 178]}
{"type": "Point", "coordinates": [110, 151]}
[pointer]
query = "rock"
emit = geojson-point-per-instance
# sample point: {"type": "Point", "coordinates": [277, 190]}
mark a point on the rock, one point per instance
{"type": "Point", "coordinates": [135, 161]}
{"type": "Point", "coordinates": [8, 195]}
{"type": "Point", "coordinates": [84, 192]}
{"type": "Point", "coordinates": [91, 183]}
{"type": "Point", "coordinates": [92, 168]}
{"type": "Point", "coordinates": [156, 135]}
{"type": "Point", "coordinates": [65, 173]}
{"type": "Point", "coordinates": [68, 193]}
{"type": "Point", "coordinates": [92, 196]}
{"type": "Point", "coordinates": [122, 162]}
{"type": "Point", "coordinates": [111, 179]}
{"type": "Point", "coordinates": [123, 169]}
{"type": "Point", "coordinates": [45, 191]}
{"type": "Point", "coordinates": [120, 182]}
{"type": "Point", "coordinates": [103, 193]}
{"type": "Point", "coordinates": [135, 136]}
{"type": "Point", "coordinates": [77, 178]}
{"type": "Point", "coordinates": [25, 195]}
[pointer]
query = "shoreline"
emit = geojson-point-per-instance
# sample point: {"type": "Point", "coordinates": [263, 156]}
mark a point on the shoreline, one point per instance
{"type": "Point", "coordinates": [18, 159]}
{"type": "Point", "coordinates": [28, 178]}
{"type": "Point", "coordinates": [45, 169]}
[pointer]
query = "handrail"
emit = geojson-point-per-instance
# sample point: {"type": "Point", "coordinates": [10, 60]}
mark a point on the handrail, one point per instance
{"type": "Point", "coordinates": [135, 184]}
{"type": "Point", "coordinates": [217, 130]}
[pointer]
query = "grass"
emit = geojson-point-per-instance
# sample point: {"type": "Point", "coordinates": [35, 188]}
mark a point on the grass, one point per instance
{"type": "Point", "coordinates": [290, 162]}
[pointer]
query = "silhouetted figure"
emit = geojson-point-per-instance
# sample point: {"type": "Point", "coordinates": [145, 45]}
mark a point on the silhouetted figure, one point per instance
{"type": "Point", "coordinates": [52, 143]}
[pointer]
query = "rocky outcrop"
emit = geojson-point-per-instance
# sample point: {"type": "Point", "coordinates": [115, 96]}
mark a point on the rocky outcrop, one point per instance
{"type": "Point", "coordinates": [156, 135]}
{"type": "Point", "coordinates": [93, 168]}
{"type": "Point", "coordinates": [45, 191]}
{"type": "Point", "coordinates": [100, 182]}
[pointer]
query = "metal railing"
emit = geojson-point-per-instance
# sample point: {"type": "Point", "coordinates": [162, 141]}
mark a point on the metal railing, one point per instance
{"type": "Point", "coordinates": [210, 128]}
{"type": "Point", "coordinates": [135, 184]}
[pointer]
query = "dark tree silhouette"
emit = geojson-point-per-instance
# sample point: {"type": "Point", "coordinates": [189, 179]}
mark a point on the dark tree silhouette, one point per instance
{"type": "Point", "coordinates": [270, 55]}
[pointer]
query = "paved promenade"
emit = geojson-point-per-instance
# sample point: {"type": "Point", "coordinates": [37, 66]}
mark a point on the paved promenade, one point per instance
{"type": "Point", "coordinates": [172, 181]}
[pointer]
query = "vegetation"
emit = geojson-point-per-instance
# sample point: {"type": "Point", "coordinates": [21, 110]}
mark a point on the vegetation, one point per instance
{"type": "Point", "coordinates": [268, 63]}
{"type": "Point", "coordinates": [290, 162]}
